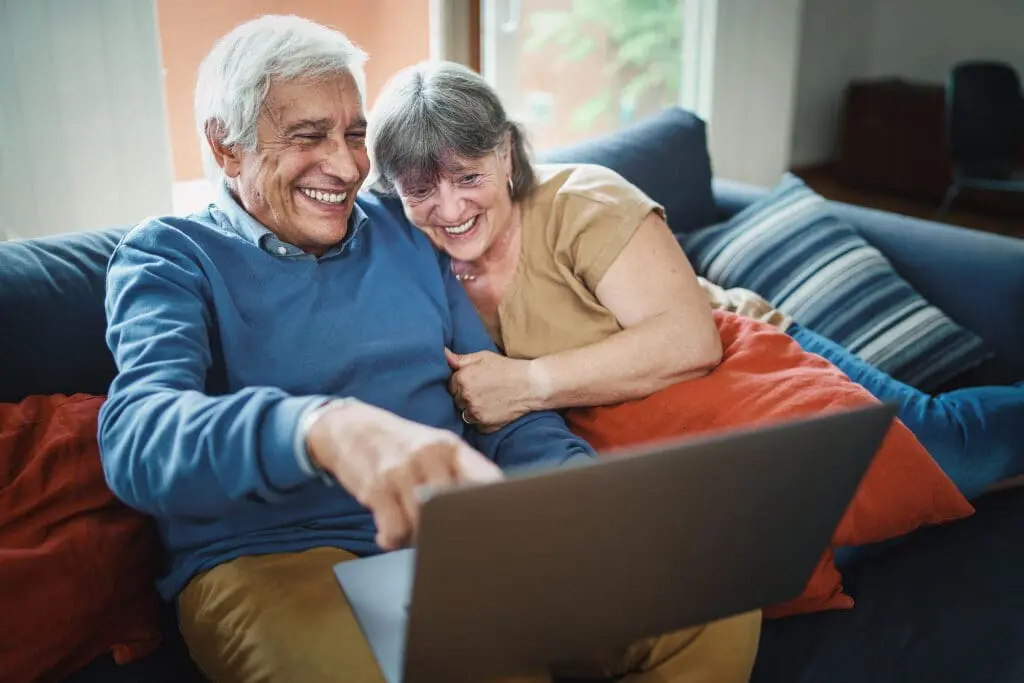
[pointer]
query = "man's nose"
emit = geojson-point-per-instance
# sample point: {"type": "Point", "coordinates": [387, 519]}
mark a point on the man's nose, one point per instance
{"type": "Point", "coordinates": [341, 163]}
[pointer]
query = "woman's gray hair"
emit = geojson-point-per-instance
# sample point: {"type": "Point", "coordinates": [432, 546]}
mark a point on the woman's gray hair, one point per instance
{"type": "Point", "coordinates": [236, 75]}
{"type": "Point", "coordinates": [432, 112]}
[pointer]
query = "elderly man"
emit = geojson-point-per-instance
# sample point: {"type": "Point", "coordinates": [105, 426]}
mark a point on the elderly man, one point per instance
{"type": "Point", "coordinates": [282, 386]}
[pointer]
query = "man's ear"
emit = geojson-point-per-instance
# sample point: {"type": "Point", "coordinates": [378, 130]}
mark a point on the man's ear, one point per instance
{"type": "Point", "coordinates": [226, 156]}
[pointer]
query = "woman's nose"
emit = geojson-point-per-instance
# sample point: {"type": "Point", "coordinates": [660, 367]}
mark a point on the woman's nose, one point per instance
{"type": "Point", "coordinates": [450, 205]}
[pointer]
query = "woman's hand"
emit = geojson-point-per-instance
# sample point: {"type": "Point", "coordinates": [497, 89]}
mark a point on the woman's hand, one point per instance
{"type": "Point", "coordinates": [492, 390]}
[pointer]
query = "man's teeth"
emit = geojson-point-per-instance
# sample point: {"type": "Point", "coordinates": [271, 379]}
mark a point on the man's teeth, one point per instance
{"type": "Point", "coordinates": [460, 229]}
{"type": "Point", "coordinates": [325, 197]}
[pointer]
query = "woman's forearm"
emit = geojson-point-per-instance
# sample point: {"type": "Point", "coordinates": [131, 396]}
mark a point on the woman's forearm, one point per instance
{"type": "Point", "coordinates": [631, 364]}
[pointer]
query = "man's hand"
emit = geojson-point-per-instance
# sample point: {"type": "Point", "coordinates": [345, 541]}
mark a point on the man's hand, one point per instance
{"type": "Point", "coordinates": [492, 390]}
{"type": "Point", "coordinates": [382, 459]}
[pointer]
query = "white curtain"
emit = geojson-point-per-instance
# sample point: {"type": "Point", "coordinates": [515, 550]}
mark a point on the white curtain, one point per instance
{"type": "Point", "coordinates": [756, 53]}
{"type": "Point", "coordinates": [83, 133]}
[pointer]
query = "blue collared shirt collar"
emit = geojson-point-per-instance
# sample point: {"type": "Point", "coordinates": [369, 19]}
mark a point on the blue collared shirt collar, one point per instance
{"type": "Point", "coordinates": [248, 228]}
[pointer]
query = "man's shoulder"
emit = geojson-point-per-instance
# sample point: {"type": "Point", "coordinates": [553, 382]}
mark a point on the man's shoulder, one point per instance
{"type": "Point", "coordinates": [196, 237]}
{"type": "Point", "coordinates": [388, 220]}
{"type": "Point", "coordinates": [381, 208]}
{"type": "Point", "coordinates": [170, 232]}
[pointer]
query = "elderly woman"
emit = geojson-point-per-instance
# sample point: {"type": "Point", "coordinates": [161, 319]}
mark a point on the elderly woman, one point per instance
{"type": "Point", "coordinates": [583, 286]}
{"type": "Point", "coordinates": [574, 271]}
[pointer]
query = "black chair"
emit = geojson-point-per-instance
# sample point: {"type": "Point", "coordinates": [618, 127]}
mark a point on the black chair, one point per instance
{"type": "Point", "coordinates": [985, 120]}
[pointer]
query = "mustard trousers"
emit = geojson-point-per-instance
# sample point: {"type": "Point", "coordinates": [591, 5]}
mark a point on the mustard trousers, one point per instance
{"type": "Point", "coordinates": [283, 618]}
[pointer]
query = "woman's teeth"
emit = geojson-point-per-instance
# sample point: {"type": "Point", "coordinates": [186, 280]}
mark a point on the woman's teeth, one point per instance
{"type": "Point", "coordinates": [325, 197]}
{"type": "Point", "coordinates": [460, 229]}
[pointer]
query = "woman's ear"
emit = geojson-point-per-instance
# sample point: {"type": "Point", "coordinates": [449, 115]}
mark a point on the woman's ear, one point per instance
{"type": "Point", "coordinates": [226, 156]}
{"type": "Point", "coordinates": [506, 153]}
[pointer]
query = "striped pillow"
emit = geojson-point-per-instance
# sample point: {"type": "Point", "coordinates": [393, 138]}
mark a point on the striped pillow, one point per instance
{"type": "Point", "coordinates": [794, 251]}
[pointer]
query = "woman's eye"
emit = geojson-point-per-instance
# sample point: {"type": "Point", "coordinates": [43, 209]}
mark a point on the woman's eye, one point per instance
{"type": "Point", "coordinates": [469, 179]}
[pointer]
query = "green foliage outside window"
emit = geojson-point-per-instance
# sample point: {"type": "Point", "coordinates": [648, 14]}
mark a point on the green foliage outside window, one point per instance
{"type": "Point", "coordinates": [643, 39]}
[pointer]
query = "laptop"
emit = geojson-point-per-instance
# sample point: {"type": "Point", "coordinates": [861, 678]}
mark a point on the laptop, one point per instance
{"type": "Point", "coordinates": [550, 566]}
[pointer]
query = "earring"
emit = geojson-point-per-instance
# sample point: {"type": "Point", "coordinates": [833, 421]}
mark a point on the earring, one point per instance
{"type": "Point", "coordinates": [511, 187]}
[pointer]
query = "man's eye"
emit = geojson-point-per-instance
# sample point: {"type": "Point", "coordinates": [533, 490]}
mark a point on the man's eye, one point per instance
{"type": "Point", "coordinates": [358, 138]}
{"type": "Point", "coordinates": [311, 136]}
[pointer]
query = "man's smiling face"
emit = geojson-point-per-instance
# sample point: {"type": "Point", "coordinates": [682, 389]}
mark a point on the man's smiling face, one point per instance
{"type": "Point", "coordinates": [310, 161]}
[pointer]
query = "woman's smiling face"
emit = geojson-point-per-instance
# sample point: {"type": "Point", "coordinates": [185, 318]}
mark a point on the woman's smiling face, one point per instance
{"type": "Point", "coordinates": [466, 208]}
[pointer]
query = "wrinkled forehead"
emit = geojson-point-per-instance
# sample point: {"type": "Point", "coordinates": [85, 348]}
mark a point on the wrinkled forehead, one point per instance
{"type": "Point", "coordinates": [328, 96]}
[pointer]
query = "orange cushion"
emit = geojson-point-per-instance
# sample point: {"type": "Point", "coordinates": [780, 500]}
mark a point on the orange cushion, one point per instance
{"type": "Point", "coordinates": [765, 376]}
{"type": "Point", "coordinates": [77, 567]}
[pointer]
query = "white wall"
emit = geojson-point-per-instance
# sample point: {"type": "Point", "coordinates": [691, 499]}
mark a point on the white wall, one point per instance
{"type": "Point", "coordinates": [922, 39]}
{"type": "Point", "coordinates": [83, 135]}
{"type": "Point", "coordinates": [834, 36]}
{"type": "Point", "coordinates": [914, 39]}
{"type": "Point", "coordinates": [756, 52]}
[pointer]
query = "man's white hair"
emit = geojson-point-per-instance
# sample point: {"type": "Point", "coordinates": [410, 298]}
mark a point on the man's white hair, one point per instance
{"type": "Point", "coordinates": [235, 76]}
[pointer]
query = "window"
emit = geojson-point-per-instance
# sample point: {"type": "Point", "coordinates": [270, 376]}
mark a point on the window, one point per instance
{"type": "Point", "coordinates": [572, 69]}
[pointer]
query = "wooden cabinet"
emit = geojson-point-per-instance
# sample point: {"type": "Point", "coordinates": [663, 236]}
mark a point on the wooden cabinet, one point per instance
{"type": "Point", "coordinates": [893, 140]}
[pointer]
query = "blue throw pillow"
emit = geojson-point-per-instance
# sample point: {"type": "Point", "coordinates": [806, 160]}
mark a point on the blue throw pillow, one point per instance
{"type": "Point", "coordinates": [794, 251]}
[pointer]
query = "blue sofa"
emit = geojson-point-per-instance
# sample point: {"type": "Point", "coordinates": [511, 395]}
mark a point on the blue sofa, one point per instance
{"type": "Point", "coordinates": [944, 605]}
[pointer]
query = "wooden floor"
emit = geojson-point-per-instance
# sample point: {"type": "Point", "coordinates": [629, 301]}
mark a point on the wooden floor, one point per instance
{"type": "Point", "coordinates": [825, 183]}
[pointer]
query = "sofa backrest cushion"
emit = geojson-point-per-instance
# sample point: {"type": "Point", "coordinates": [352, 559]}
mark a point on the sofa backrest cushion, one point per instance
{"type": "Point", "coordinates": [53, 324]}
{"type": "Point", "coordinates": [666, 156]}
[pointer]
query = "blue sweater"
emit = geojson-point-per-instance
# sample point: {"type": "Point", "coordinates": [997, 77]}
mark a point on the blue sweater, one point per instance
{"type": "Point", "coordinates": [224, 336]}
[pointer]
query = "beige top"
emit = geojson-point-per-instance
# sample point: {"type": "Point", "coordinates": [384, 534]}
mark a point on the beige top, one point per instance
{"type": "Point", "coordinates": [574, 225]}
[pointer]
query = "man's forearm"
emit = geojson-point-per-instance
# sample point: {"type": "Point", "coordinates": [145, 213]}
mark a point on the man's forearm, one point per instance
{"type": "Point", "coordinates": [183, 453]}
{"type": "Point", "coordinates": [536, 438]}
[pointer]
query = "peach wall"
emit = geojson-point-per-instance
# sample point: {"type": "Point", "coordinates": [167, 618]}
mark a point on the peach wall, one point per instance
{"type": "Point", "coordinates": [401, 37]}
{"type": "Point", "coordinates": [394, 33]}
